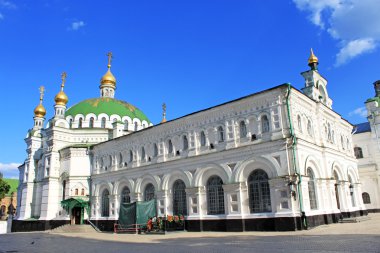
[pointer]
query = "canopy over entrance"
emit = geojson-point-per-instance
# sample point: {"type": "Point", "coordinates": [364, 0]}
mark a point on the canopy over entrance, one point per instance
{"type": "Point", "coordinates": [75, 207]}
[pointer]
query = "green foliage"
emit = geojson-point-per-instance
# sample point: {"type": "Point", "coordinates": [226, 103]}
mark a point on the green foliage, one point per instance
{"type": "Point", "coordinates": [4, 188]}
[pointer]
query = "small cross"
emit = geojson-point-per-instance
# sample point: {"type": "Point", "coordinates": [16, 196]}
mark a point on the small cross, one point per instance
{"type": "Point", "coordinates": [42, 90]}
{"type": "Point", "coordinates": [163, 109]}
{"type": "Point", "coordinates": [63, 77]}
{"type": "Point", "coordinates": [109, 54]}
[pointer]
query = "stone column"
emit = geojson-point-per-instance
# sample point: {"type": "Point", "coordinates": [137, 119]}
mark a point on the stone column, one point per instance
{"type": "Point", "coordinates": [162, 205]}
{"type": "Point", "coordinates": [232, 198]}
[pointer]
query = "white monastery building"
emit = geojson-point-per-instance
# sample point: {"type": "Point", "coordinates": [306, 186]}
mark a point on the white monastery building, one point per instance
{"type": "Point", "coordinates": [279, 159]}
{"type": "Point", "coordinates": [367, 151]}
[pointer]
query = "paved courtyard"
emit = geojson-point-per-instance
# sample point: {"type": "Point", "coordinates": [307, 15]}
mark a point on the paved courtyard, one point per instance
{"type": "Point", "coordinates": [347, 237]}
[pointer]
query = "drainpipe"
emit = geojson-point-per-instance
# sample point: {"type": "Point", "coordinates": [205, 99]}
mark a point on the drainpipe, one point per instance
{"type": "Point", "coordinates": [295, 167]}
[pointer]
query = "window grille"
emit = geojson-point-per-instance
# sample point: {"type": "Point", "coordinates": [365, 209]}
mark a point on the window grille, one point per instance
{"type": "Point", "coordinates": [264, 124]}
{"type": "Point", "coordinates": [105, 203]}
{"type": "Point", "coordinates": [243, 129]}
{"type": "Point", "coordinates": [220, 134]}
{"type": "Point", "coordinates": [259, 192]}
{"type": "Point", "coordinates": [179, 198]}
{"type": "Point", "coordinates": [185, 143]}
{"type": "Point", "coordinates": [215, 196]}
{"type": "Point", "coordinates": [149, 192]}
{"type": "Point", "coordinates": [311, 186]}
{"type": "Point", "coordinates": [125, 195]}
{"type": "Point", "coordinates": [366, 198]}
{"type": "Point", "coordinates": [358, 152]}
{"type": "Point", "coordinates": [203, 139]}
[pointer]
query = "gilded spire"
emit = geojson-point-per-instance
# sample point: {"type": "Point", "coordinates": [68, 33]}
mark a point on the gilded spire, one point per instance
{"type": "Point", "coordinates": [61, 98]}
{"type": "Point", "coordinates": [40, 110]}
{"type": "Point", "coordinates": [108, 78]}
{"type": "Point", "coordinates": [312, 58]}
{"type": "Point", "coordinates": [163, 113]}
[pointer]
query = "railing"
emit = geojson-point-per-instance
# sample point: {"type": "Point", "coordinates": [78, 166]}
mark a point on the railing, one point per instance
{"type": "Point", "coordinates": [93, 225]}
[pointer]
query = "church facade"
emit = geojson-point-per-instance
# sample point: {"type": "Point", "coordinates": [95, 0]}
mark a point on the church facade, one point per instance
{"type": "Point", "coordinates": [279, 159]}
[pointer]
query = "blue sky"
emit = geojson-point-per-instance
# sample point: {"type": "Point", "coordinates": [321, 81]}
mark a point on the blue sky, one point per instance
{"type": "Point", "coordinates": [189, 54]}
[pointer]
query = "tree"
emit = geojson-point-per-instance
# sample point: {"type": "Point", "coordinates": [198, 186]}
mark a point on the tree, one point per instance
{"type": "Point", "coordinates": [4, 187]}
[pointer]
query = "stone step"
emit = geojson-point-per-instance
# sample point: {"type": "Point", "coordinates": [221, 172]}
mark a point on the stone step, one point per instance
{"type": "Point", "coordinates": [74, 229]}
{"type": "Point", "coordinates": [355, 219]}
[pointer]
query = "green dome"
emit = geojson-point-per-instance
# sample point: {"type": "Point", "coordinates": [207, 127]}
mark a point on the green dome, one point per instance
{"type": "Point", "coordinates": [108, 106]}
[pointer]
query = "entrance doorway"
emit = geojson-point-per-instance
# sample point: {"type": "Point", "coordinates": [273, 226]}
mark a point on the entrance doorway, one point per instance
{"type": "Point", "coordinates": [76, 214]}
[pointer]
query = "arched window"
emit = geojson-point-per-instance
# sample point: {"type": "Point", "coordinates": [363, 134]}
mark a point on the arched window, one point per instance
{"type": "Point", "coordinates": [264, 124]}
{"type": "Point", "coordinates": [80, 123]}
{"type": "Point", "coordinates": [170, 147]}
{"type": "Point", "coordinates": [114, 120]}
{"type": "Point", "coordinates": [142, 154]}
{"type": "Point", "coordinates": [259, 192]}
{"type": "Point", "coordinates": [136, 126]}
{"type": "Point", "coordinates": [311, 186]}
{"type": "Point", "coordinates": [149, 192]}
{"type": "Point", "coordinates": [215, 195]}
{"type": "Point", "coordinates": [220, 134]}
{"type": "Point", "coordinates": [352, 191]}
{"type": "Point", "coordinates": [203, 139]}
{"type": "Point", "coordinates": [76, 192]}
{"type": "Point", "coordinates": [185, 143]}
{"type": "Point", "coordinates": [82, 192]}
{"type": "Point", "coordinates": [120, 160]}
{"type": "Point", "coordinates": [103, 123]}
{"type": "Point", "coordinates": [179, 198]}
{"type": "Point", "coordinates": [358, 152]}
{"type": "Point", "coordinates": [366, 198]}
{"type": "Point", "coordinates": [309, 129]}
{"type": "Point", "coordinates": [329, 135]}
{"type": "Point", "coordinates": [125, 196]}
{"type": "Point", "coordinates": [243, 129]}
{"type": "Point", "coordinates": [299, 123]}
{"type": "Point", "coordinates": [342, 142]}
{"type": "Point", "coordinates": [71, 123]}
{"type": "Point", "coordinates": [130, 156]}
{"type": "Point", "coordinates": [126, 124]}
{"type": "Point", "coordinates": [106, 203]}
{"type": "Point", "coordinates": [336, 177]}
{"type": "Point", "coordinates": [155, 150]}
{"type": "Point", "coordinates": [63, 189]}
{"type": "Point", "coordinates": [91, 124]}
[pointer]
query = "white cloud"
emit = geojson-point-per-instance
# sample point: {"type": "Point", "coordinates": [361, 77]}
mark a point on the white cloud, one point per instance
{"type": "Point", "coordinates": [76, 25]}
{"type": "Point", "coordinates": [7, 4]}
{"type": "Point", "coordinates": [361, 111]}
{"type": "Point", "coordinates": [353, 49]}
{"type": "Point", "coordinates": [354, 23]}
{"type": "Point", "coordinates": [9, 166]}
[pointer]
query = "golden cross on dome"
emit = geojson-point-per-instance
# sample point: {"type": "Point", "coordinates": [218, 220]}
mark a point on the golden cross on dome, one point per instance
{"type": "Point", "coordinates": [109, 54]}
{"type": "Point", "coordinates": [63, 77]}
{"type": "Point", "coordinates": [42, 90]}
{"type": "Point", "coordinates": [163, 109]}
{"type": "Point", "coordinates": [163, 113]}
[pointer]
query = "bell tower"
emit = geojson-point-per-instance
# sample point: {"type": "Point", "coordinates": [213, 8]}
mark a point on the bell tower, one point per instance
{"type": "Point", "coordinates": [315, 84]}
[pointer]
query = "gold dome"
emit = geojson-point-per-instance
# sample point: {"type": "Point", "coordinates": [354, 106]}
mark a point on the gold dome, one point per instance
{"type": "Point", "coordinates": [40, 111]}
{"type": "Point", "coordinates": [61, 98]}
{"type": "Point", "coordinates": [108, 78]}
{"type": "Point", "coordinates": [312, 58]}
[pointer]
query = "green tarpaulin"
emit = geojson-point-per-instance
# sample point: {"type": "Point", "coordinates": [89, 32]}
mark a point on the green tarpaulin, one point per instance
{"type": "Point", "coordinates": [137, 212]}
